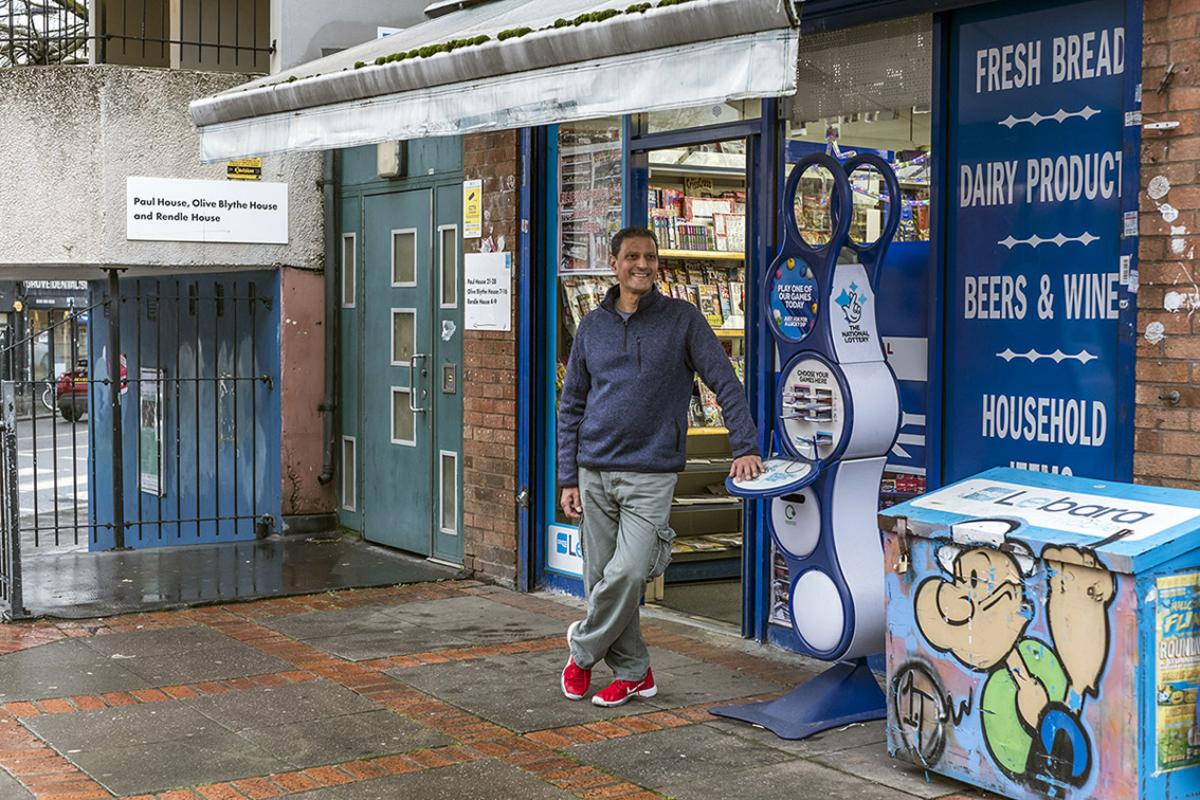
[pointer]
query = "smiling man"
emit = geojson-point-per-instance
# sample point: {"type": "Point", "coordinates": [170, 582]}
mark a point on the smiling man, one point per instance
{"type": "Point", "coordinates": [622, 439]}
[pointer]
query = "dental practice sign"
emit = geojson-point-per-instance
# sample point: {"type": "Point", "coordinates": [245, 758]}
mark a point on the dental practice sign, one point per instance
{"type": "Point", "coordinates": [181, 210]}
{"type": "Point", "coordinates": [1039, 272]}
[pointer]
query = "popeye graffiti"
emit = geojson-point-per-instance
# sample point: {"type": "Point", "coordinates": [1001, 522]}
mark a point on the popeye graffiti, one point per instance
{"type": "Point", "coordinates": [1032, 698]}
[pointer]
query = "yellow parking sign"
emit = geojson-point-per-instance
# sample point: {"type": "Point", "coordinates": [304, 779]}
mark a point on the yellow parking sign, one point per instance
{"type": "Point", "coordinates": [244, 169]}
{"type": "Point", "coordinates": [472, 209]}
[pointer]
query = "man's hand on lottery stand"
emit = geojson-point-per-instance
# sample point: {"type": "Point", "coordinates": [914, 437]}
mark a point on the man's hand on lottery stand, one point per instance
{"type": "Point", "coordinates": [746, 468]}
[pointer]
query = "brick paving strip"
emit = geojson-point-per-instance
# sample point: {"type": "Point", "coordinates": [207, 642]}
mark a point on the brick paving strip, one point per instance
{"type": "Point", "coordinates": [49, 776]}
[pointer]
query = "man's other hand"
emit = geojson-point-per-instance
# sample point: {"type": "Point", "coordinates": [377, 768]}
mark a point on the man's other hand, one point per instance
{"type": "Point", "coordinates": [746, 468]}
{"type": "Point", "coordinates": [571, 504]}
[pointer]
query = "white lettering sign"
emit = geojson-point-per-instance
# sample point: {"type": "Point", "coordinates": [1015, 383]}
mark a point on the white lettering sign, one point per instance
{"type": "Point", "coordinates": [1073, 512]}
{"type": "Point", "coordinates": [488, 291]}
{"type": "Point", "coordinates": [1076, 57]}
{"type": "Point", "coordinates": [179, 210]}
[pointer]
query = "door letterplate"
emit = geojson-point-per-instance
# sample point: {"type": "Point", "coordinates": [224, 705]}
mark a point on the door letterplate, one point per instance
{"type": "Point", "coordinates": [449, 378]}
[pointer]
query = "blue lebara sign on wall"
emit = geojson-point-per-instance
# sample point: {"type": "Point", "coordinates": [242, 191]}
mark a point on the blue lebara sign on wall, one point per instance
{"type": "Point", "coordinates": [1038, 284]}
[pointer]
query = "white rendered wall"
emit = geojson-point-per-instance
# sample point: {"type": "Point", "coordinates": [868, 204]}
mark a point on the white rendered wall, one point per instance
{"type": "Point", "coordinates": [69, 137]}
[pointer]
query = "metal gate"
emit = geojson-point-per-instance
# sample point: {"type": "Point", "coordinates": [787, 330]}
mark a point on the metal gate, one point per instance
{"type": "Point", "coordinates": [136, 422]}
{"type": "Point", "coordinates": [10, 543]}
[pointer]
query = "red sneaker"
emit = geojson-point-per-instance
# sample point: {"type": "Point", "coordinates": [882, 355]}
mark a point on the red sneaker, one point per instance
{"type": "Point", "coordinates": [620, 692]}
{"type": "Point", "coordinates": [575, 679]}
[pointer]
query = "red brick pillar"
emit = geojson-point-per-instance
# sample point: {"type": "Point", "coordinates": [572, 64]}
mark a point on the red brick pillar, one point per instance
{"type": "Point", "coordinates": [490, 376]}
{"type": "Point", "coordinates": [1167, 443]}
{"type": "Point", "coordinates": [302, 431]}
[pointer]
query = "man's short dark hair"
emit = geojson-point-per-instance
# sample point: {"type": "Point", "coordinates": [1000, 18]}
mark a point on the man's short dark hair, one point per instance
{"type": "Point", "coordinates": [632, 232]}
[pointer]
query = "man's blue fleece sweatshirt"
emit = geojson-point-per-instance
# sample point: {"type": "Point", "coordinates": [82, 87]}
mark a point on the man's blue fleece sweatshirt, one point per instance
{"type": "Point", "coordinates": [625, 399]}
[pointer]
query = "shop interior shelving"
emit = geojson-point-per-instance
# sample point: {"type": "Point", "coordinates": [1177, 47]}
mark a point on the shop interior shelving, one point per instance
{"type": "Point", "coordinates": [707, 521]}
{"type": "Point", "coordinates": [702, 260]}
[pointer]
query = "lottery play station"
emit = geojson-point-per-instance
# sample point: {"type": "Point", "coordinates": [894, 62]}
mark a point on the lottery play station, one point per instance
{"type": "Point", "coordinates": [1043, 636]}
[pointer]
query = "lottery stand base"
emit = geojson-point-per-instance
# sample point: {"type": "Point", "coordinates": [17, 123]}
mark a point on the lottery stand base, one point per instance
{"type": "Point", "coordinates": [846, 692]}
{"type": "Point", "coordinates": [842, 695]}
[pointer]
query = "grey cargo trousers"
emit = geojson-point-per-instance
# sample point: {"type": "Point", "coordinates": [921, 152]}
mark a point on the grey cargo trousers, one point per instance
{"type": "Point", "coordinates": [624, 517]}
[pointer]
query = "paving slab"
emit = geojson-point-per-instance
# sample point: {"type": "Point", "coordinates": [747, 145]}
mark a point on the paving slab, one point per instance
{"type": "Point", "coordinates": [62, 668]}
{"type": "Point", "coordinates": [401, 640]}
{"type": "Point", "coordinates": [202, 759]}
{"type": "Point", "coordinates": [873, 762]}
{"type": "Point", "coordinates": [675, 756]}
{"type": "Point", "coordinates": [322, 624]}
{"type": "Point", "coordinates": [692, 684]}
{"type": "Point", "coordinates": [478, 620]}
{"type": "Point", "coordinates": [273, 706]}
{"type": "Point", "coordinates": [344, 738]}
{"type": "Point", "coordinates": [788, 779]}
{"type": "Point", "coordinates": [363, 634]}
{"type": "Point", "coordinates": [479, 780]}
{"type": "Point", "coordinates": [233, 660]}
{"type": "Point", "coordinates": [523, 691]}
{"type": "Point", "coordinates": [834, 741]}
{"type": "Point", "coordinates": [164, 642]}
{"type": "Point", "coordinates": [508, 690]}
{"type": "Point", "coordinates": [10, 789]}
{"type": "Point", "coordinates": [127, 726]}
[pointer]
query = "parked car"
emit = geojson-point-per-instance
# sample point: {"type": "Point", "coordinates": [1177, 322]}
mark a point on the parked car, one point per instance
{"type": "Point", "coordinates": [71, 392]}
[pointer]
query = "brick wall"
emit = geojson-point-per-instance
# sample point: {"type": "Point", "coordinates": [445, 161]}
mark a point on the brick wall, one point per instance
{"type": "Point", "coordinates": [490, 377]}
{"type": "Point", "coordinates": [1167, 443]}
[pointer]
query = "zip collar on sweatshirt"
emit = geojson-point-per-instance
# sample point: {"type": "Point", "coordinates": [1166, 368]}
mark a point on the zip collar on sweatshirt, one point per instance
{"type": "Point", "coordinates": [646, 302]}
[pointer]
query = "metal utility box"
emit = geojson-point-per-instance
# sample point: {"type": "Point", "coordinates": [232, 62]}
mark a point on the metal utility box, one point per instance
{"type": "Point", "coordinates": [1043, 636]}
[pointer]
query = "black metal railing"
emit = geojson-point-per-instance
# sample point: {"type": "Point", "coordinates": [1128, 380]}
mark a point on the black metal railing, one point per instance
{"type": "Point", "coordinates": [11, 606]}
{"type": "Point", "coordinates": [217, 35]}
{"type": "Point", "coordinates": [139, 421]}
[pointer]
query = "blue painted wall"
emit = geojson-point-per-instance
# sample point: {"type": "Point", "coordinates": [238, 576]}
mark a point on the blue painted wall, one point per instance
{"type": "Point", "coordinates": [221, 440]}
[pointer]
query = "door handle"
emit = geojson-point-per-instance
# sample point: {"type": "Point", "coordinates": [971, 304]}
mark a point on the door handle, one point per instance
{"type": "Point", "coordinates": [412, 382]}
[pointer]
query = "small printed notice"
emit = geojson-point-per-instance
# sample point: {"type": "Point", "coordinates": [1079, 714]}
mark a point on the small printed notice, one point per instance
{"type": "Point", "coordinates": [1177, 649]}
{"type": "Point", "coordinates": [488, 297]}
{"type": "Point", "coordinates": [472, 209]}
{"type": "Point", "coordinates": [180, 210]}
{"type": "Point", "coordinates": [150, 433]}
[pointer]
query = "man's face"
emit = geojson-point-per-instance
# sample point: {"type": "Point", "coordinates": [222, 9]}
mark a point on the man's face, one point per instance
{"type": "Point", "coordinates": [636, 265]}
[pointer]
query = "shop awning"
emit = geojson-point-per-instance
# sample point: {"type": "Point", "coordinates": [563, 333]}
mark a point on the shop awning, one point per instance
{"type": "Point", "coordinates": [540, 63]}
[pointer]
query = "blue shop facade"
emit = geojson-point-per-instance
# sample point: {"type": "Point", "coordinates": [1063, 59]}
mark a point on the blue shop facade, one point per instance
{"type": "Point", "coordinates": [1005, 303]}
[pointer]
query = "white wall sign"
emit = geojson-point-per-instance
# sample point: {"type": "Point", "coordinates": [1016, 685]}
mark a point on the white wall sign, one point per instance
{"type": "Point", "coordinates": [488, 296]}
{"type": "Point", "coordinates": [179, 210]}
{"type": "Point", "coordinates": [562, 550]}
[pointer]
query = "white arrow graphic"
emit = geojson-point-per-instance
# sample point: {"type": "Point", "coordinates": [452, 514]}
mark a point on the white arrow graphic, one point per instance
{"type": "Point", "coordinates": [1058, 356]}
{"type": "Point", "coordinates": [1084, 238]}
{"type": "Point", "coordinates": [1062, 115]}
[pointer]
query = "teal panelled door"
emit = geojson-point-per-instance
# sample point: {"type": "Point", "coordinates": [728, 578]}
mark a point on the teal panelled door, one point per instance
{"type": "Point", "coordinates": [447, 370]}
{"type": "Point", "coordinates": [396, 357]}
{"type": "Point", "coordinates": [409, 431]}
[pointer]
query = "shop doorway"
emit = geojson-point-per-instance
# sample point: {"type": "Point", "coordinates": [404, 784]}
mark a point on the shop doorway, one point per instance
{"type": "Point", "coordinates": [402, 284]}
{"type": "Point", "coordinates": [692, 187]}
{"type": "Point", "coordinates": [697, 204]}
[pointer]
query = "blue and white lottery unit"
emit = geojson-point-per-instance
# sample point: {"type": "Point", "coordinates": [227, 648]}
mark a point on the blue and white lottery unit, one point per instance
{"type": "Point", "coordinates": [837, 414]}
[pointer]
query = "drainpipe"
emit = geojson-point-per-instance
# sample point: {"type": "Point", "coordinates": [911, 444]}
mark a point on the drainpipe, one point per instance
{"type": "Point", "coordinates": [332, 265]}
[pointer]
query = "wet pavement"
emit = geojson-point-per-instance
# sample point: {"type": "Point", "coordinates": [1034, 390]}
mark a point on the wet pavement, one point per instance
{"type": "Point", "coordinates": [445, 689]}
{"type": "Point", "coordinates": [71, 583]}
